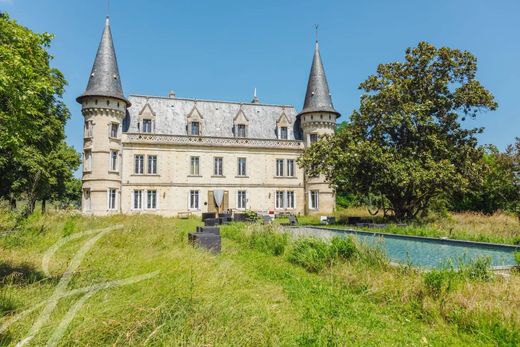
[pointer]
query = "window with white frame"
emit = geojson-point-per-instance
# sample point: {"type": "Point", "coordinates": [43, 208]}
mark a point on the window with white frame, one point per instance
{"type": "Point", "coordinates": [290, 199]}
{"type": "Point", "coordinates": [113, 160]}
{"type": "Point", "coordinates": [241, 165]}
{"type": "Point", "coordinates": [283, 133]}
{"type": "Point", "coordinates": [279, 199]}
{"type": "Point", "coordinates": [195, 128]}
{"type": "Point", "coordinates": [195, 166]}
{"type": "Point", "coordinates": [313, 138]}
{"type": "Point", "coordinates": [241, 130]}
{"type": "Point", "coordinates": [194, 200]}
{"type": "Point", "coordinates": [218, 169]}
{"type": "Point", "coordinates": [137, 200]}
{"type": "Point", "coordinates": [112, 194]}
{"type": "Point", "coordinates": [147, 125]}
{"type": "Point", "coordinates": [314, 199]}
{"type": "Point", "coordinates": [114, 130]}
{"type": "Point", "coordinates": [290, 167]}
{"type": "Point", "coordinates": [139, 164]}
{"type": "Point", "coordinates": [151, 199]}
{"type": "Point", "coordinates": [152, 164]}
{"type": "Point", "coordinates": [241, 199]}
{"type": "Point", "coordinates": [279, 167]}
{"type": "Point", "coordinates": [88, 128]}
{"type": "Point", "coordinates": [87, 160]}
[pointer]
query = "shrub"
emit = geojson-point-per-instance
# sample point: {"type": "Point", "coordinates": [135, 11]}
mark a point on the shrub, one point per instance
{"type": "Point", "coordinates": [478, 269]}
{"type": "Point", "coordinates": [311, 253]}
{"type": "Point", "coordinates": [439, 282]}
{"type": "Point", "coordinates": [517, 257]}
{"type": "Point", "coordinates": [343, 247]}
{"type": "Point", "coordinates": [268, 241]}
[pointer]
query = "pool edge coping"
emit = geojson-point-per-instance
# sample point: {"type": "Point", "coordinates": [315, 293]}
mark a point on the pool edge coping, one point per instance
{"type": "Point", "coordinates": [413, 237]}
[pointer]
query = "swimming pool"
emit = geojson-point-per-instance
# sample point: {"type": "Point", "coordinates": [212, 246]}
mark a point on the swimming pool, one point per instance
{"type": "Point", "coordinates": [422, 252]}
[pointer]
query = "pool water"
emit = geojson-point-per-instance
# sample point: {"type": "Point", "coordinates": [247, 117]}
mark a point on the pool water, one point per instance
{"type": "Point", "coordinates": [421, 251]}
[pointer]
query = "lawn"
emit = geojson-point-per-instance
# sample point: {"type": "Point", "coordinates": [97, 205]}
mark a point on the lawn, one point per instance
{"type": "Point", "coordinates": [261, 290]}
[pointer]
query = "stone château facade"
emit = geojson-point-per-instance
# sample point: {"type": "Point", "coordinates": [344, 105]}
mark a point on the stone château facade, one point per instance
{"type": "Point", "coordinates": [170, 155]}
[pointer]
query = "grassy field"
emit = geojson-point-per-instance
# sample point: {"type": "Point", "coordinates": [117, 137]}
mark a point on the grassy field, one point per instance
{"type": "Point", "coordinates": [263, 289]}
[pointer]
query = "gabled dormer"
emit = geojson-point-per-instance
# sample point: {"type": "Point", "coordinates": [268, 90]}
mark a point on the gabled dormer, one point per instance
{"type": "Point", "coordinates": [282, 126]}
{"type": "Point", "coordinates": [194, 121]}
{"type": "Point", "coordinates": [146, 119]}
{"type": "Point", "coordinates": [240, 124]}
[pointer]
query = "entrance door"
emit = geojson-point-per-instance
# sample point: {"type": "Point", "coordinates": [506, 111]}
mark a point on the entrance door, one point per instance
{"type": "Point", "coordinates": [212, 206]}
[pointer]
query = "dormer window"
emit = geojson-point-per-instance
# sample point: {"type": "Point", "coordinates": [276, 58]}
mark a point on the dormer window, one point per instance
{"type": "Point", "coordinates": [195, 129]}
{"type": "Point", "coordinates": [283, 133]}
{"type": "Point", "coordinates": [147, 125]}
{"type": "Point", "coordinates": [241, 130]}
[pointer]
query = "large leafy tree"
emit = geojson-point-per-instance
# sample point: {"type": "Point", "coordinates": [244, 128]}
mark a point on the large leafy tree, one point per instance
{"type": "Point", "coordinates": [406, 144]}
{"type": "Point", "coordinates": [32, 116]}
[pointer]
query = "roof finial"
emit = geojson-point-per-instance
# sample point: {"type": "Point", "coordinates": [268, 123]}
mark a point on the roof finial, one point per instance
{"type": "Point", "coordinates": [255, 98]}
{"type": "Point", "coordinates": [316, 26]}
{"type": "Point", "coordinates": [108, 9]}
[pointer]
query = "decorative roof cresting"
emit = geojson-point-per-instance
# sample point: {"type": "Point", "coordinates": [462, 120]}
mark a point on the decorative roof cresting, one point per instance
{"type": "Point", "coordinates": [104, 78]}
{"type": "Point", "coordinates": [317, 97]}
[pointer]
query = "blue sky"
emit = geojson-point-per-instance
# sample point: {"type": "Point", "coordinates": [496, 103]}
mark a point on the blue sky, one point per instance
{"type": "Point", "coordinates": [224, 49]}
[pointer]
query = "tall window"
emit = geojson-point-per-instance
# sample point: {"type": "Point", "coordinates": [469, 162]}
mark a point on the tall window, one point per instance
{"type": "Point", "coordinates": [114, 130]}
{"type": "Point", "coordinates": [139, 164]}
{"type": "Point", "coordinates": [241, 130]}
{"type": "Point", "coordinates": [241, 167]}
{"type": "Point", "coordinates": [86, 194]}
{"type": "Point", "coordinates": [313, 138]}
{"type": "Point", "coordinates": [151, 199]}
{"type": "Point", "coordinates": [218, 169]}
{"type": "Point", "coordinates": [279, 199]}
{"type": "Point", "coordinates": [111, 199]}
{"type": "Point", "coordinates": [290, 199]}
{"type": "Point", "coordinates": [194, 166]}
{"type": "Point", "coordinates": [283, 133]}
{"type": "Point", "coordinates": [241, 199]}
{"type": "Point", "coordinates": [113, 161]}
{"type": "Point", "coordinates": [290, 167]}
{"type": "Point", "coordinates": [87, 160]}
{"type": "Point", "coordinates": [195, 128]}
{"type": "Point", "coordinates": [279, 167]}
{"type": "Point", "coordinates": [138, 199]}
{"type": "Point", "coordinates": [314, 199]}
{"type": "Point", "coordinates": [88, 128]}
{"type": "Point", "coordinates": [194, 199]}
{"type": "Point", "coordinates": [147, 125]}
{"type": "Point", "coordinates": [152, 164]}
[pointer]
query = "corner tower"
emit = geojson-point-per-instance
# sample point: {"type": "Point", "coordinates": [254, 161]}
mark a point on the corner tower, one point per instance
{"type": "Point", "coordinates": [103, 106]}
{"type": "Point", "coordinates": [318, 118]}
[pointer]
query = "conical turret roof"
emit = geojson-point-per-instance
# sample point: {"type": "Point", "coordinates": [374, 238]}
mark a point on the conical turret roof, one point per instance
{"type": "Point", "coordinates": [104, 78]}
{"type": "Point", "coordinates": [317, 98]}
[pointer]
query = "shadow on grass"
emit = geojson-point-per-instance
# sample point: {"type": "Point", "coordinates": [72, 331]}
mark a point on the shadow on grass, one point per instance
{"type": "Point", "coordinates": [20, 274]}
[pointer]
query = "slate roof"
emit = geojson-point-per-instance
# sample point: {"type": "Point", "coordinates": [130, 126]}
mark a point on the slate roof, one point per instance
{"type": "Point", "coordinates": [217, 117]}
{"type": "Point", "coordinates": [317, 97]}
{"type": "Point", "coordinates": [104, 78]}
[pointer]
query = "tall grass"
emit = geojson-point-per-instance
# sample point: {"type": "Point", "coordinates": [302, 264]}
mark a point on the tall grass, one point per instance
{"type": "Point", "coordinates": [252, 294]}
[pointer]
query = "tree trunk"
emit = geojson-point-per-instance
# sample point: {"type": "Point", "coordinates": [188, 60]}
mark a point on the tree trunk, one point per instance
{"type": "Point", "coordinates": [12, 203]}
{"type": "Point", "coordinates": [44, 206]}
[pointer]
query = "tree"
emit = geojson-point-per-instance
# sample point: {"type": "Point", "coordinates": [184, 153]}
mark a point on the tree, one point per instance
{"type": "Point", "coordinates": [32, 115]}
{"type": "Point", "coordinates": [405, 144]}
{"type": "Point", "coordinates": [498, 189]}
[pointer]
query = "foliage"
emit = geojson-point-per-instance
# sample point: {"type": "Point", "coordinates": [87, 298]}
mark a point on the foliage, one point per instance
{"type": "Point", "coordinates": [268, 241]}
{"type": "Point", "coordinates": [343, 247]}
{"type": "Point", "coordinates": [34, 159]}
{"type": "Point", "coordinates": [406, 142]}
{"type": "Point", "coordinates": [439, 282]}
{"type": "Point", "coordinates": [500, 188]}
{"type": "Point", "coordinates": [312, 254]}
{"type": "Point", "coordinates": [517, 257]}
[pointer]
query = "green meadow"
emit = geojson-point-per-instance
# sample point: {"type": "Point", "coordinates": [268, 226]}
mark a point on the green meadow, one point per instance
{"type": "Point", "coordinates": [264, 289]}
